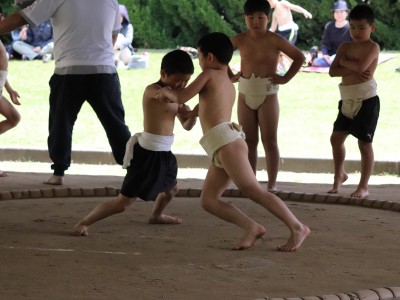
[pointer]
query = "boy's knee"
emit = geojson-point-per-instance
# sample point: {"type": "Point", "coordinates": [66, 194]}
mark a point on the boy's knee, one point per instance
{"type": "Point", "coordinates": [172, 192]}
{"type": "Point", "coordinates": [270, 143]}
{"type": "Point", "coordinates": [15, 119]}
{"type": "Point", "coordinates": [365, 147]}
{"type": "Point", "coordinates": [121, 205]}
{"type": "Point", "coordinates": [206, 205]}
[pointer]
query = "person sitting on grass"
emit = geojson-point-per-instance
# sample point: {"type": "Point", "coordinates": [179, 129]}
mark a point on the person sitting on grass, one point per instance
{"type": "Point", "coordinates": [152, 167]}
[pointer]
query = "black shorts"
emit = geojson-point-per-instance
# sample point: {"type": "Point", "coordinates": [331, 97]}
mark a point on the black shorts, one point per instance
{"type": "Point", "coordinates": [364, 123]}
{"type": "Point", "coordinates": [290, 35]}
{"type": "Point", "coordinates": [149, 173]}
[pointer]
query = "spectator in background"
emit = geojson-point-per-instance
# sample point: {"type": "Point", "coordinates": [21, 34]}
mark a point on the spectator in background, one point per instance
{"type": "Point", "coordinates": [123, 46]}
{"type": "Point", "coordinates": [283, 24]}
{"type": "Point", "coordinates": [282, 19]}
{"type": "Point", "coordinates": [335, 33]}
{"type": "Point", "coordinates": [35, 42]}
{"type": "Point", "coordinates": [9, 48]}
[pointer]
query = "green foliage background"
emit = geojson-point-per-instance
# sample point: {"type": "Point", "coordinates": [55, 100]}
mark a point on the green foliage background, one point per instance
{"type": "Point", "coordinates": [162, 24]}
{"type": "Point", "coordinates": [166, 24]}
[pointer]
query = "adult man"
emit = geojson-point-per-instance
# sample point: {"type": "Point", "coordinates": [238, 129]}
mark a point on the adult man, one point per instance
{"type": "Point", "coordinates": [84, 33]}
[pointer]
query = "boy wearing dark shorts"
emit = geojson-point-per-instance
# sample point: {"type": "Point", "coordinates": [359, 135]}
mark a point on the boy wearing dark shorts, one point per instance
{"type": "Point", "coordinates": [356, 62]}
{"type": "Point", "coordinates": [151, 166]}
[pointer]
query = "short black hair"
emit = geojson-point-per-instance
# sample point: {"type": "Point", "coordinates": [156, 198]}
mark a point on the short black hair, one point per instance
{"type": "Point", "coordinates": [218, 44]}
{"type": "Point", "coordinates": [362, 12]}
{"type": "Point", "coordinates": [253, 6]}
{"type": "Point", "coordinates": [177, 62]}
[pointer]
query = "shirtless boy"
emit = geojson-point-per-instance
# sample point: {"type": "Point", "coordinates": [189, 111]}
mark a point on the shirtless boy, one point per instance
{"type": "Point", "coordinates": [12, 117]}
{"type": "Point", "coordinates": [282, 19]}
{"type": "Point", "coordinates": [283, 24]}
{"type": "Point", "coordinates": [258, 107]}
{"type": "Point", "coordinates": [151, 165]}
{"type": "Point", "coordinates": [224, 143]}
{"type": "Point", "coordinates": [356, 62]}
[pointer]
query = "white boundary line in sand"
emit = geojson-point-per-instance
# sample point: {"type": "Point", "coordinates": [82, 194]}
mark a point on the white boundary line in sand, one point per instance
{"type": "Point", "coordinates": [68, 250]}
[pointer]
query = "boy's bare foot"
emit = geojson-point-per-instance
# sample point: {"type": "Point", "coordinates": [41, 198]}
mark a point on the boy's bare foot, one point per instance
{"type": "Point", "coordinates": [251, 237]}
{"type": "Point", "coordinates": [80, 230]}
{"type": "Point", "coordinates": [3, 174]}
{"type": "Point", "coordinates": [337, 183]}
{"type": "Point", "coordinates": [360, 193]}
{"type": "Point", "coordinates": [272, 188]}
{"type": "Point", "coordinates": [55, 180]}
{"type": "Point", "coordinates": [165, 219]}
{"type": "Point", "coordinates": [296, 239]}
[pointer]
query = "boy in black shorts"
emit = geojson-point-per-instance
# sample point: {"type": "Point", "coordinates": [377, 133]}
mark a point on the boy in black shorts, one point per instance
{"type": "Point", "coordinates": [151, 166]}
{"type": "Point", "coordinates": [356, 62]}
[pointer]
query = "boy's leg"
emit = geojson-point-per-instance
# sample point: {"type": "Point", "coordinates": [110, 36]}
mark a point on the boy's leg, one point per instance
{"type": "Point", "coordinates": [10, 113]}
{"type": "Point", "coordinates": [103, 210]}
{"type": "Point", "coordinates": [247, 118]}
{"type": "Point", "coordinates": [367, 163]}
{"type": "Point", "coordinates": [163, 199]}
{"type": "Point", "coordinates": [339, 154]}
{"type": "Point", "coordinates": [215, 184]}
{"type": "Point", "coordinates": [233, 158]}
{"type": "Point", "coordinates": [268, 118]}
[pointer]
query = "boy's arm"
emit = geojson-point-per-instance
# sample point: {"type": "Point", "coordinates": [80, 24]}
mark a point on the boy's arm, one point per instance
{"type": "Point", "coordinates": [293, 53]}
{"type": "Point", "coordinates": [13, 94]}
{"type": "Point", "coordinates": [234, 77]}
{"type": "Point", "coordinates": [298, 9]}
{"type": "Point", "coordinates": [274, 23]}
{"type": "Point", "coordinates": [361, 65]}
{"type": "Point", "coordinates": [336, 69]}
{"type": "Point", "coordinates": [188, 117]}
{"type": "Point", "coordinates": [184, 95]}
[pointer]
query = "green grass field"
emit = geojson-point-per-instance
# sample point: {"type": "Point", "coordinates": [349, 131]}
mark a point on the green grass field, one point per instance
{"type": "Point", "coordinates": [308, 108]}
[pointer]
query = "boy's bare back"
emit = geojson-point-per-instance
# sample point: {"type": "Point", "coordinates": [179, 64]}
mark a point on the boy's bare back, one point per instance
{"type": "Point", "coordinates": [217, 97]}
{"type": "Point", "coordinates": [158, 117]}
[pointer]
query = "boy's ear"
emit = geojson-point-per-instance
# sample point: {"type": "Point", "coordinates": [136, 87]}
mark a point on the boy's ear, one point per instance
{"type": "Point", "coordinates": [163, 74]}
{"type": "Point", "coordinates": [210, 56]}
{"type": "Point", "coordinates": [373, 27]}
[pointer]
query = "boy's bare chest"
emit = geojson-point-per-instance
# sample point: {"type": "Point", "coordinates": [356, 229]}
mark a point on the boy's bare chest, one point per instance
{"type": "Point", "coordinates": [356, 52]}
{"type": "Point", "coordinates": [260, 52]}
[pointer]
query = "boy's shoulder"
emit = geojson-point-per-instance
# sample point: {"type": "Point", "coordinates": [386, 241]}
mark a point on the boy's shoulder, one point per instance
{"type": "Point", "coordinates": [154, 86]}
{"type": "Point", "coordinates": [244, 36]}
{"type": "Point", "coordinates": [365, 46]}
{"type": "Point", "coordinates": [241, 36]}
{"type": "Point", "coordinates": [283, 5]}
{"type": "Point", "coordinates": [151, 90]}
